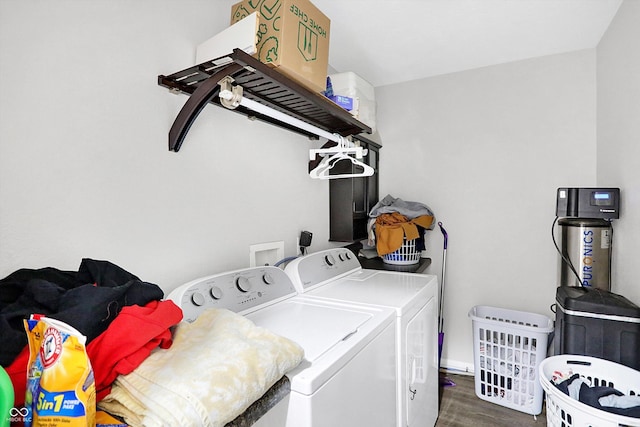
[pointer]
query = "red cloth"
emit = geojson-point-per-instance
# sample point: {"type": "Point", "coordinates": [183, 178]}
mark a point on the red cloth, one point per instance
{"type": "Point", "coordinates": [129, 340]}
{"type": "Point", "coordinates": [18, 373]}
{"type": "Point", "coordinates": [125, 344]}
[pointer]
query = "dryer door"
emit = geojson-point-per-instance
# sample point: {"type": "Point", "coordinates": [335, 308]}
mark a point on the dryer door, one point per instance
{"type": "Point", "coordinates": [421, 385]}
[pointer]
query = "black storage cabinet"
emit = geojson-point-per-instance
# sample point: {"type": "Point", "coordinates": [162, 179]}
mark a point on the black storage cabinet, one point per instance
{"type": "Point", "coordinates": [351, 199]}
{"type": "Point", "coordinates": [597, 323]}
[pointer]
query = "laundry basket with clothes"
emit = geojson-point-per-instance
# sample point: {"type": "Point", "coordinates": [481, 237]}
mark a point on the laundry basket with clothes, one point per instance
{"type": "Point", "coordinates": [396, 227]}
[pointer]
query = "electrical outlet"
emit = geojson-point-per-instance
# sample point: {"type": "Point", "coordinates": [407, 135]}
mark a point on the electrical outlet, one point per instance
{"type": "Point", "coordinates": [305, 238]}
{"type": "Point", "coordinates": [303, 241]}
{"type": "Point", "coordinates": [266, 253]}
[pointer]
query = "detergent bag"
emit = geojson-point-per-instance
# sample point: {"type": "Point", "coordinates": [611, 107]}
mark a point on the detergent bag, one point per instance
{"type": "Point", "coordinates": [60, 383]}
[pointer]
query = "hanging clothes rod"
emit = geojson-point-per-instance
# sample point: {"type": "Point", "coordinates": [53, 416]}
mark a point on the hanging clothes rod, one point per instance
{"type": "Point", "coordinates": [231, 97]}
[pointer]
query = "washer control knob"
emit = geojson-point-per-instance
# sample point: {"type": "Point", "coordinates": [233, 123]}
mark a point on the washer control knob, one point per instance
{"type": "Point", "coordinates": [330, 260]}
{"type": "Point", "coordinates": [243, 284]}
{"type": "Point", "coordinates": [197, 299]}
{"type": "Point", "coordinates": [347, 255]}
{"type": "Point", "coordinates": [215, 292]}
{"type": "Point", "coordinates": [267, 278]}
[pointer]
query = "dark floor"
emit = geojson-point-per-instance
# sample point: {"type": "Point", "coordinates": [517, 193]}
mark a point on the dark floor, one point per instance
{"type": "Point", "coordinates": [459, 406]}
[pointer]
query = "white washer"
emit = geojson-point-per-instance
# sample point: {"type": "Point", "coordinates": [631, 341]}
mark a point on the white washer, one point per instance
{"type": "Point", "coordinates": [336, 275]}
{"type": "Point", "coordinates": [347, 377]}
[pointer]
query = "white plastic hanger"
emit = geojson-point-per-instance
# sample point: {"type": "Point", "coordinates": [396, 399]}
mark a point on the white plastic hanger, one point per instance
{"type": "Point", "coordinates": [323, 170]}
{"type": "Point", "coordinates": [342, 151]}
{"type": "Point", "coordinates": [344, 146]}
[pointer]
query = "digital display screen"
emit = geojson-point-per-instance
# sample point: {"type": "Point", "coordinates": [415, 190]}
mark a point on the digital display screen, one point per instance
{"type": "Point", "coordinates": [602, 198]}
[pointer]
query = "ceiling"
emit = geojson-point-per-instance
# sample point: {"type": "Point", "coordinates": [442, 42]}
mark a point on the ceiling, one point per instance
{"type": "Point", "coordinates": [391, 41]}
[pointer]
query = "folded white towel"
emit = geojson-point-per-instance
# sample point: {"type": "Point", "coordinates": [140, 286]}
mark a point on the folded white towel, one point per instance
{"type": "Point", "coordinates": [216, 368]}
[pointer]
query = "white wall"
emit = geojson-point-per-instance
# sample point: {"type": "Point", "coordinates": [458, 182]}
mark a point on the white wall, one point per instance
{"type": "Point", "coordinates": [618, 68]}
{"type": "Point", "coordinates": [486, 149]}
{"type": "Point", "coordinates": [84, 165]}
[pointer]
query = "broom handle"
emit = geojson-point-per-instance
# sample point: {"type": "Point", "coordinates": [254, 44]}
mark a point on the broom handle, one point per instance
{"type": "Point", "coordinates": [444, 263]}
{"type": "Point", "coordinates": [444, 234]}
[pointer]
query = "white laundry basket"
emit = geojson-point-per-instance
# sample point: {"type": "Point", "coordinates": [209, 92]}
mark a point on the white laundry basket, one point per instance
{"type": "Point", "coordinates": [407, 254]}
{"type": "Point", "coordinates": [563, 411]}
{"type": "Point", "coordinates": [508, 346]}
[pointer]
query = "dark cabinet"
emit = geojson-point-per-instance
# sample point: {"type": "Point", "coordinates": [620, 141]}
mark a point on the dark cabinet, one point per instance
{"type": "Point", "coordinates": [351, 199]}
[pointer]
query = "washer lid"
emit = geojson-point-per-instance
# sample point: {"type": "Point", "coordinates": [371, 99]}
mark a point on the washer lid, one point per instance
{"type": "Point", "coordinates": [392, 289]}
{"type": "Point", "coordinates": [315, 326]}
{"type": "Point", "coordinates": [331, 334]}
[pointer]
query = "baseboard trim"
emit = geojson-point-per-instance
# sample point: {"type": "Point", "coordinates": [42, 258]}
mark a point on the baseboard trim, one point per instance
{"type": "Point", "coordinates": [457, 367]}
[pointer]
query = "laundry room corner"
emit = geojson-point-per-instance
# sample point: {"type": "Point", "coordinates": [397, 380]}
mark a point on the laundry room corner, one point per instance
{"type": "Point", "coordinates": [490, 151]}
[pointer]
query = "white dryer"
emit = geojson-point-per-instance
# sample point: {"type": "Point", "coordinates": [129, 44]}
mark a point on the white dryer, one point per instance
{"type": "Point", "coordinates": [347, 376]}
{"type": "Point", "coordinates": [336, 275]}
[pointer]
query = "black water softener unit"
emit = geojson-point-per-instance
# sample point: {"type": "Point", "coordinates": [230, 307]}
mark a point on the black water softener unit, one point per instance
{"type": "Point", "coordinates": [590, 319]}
{"type": "Point", "coordinates": [597, 323]}
{"type": "Point", "coordinates": [586, 235]}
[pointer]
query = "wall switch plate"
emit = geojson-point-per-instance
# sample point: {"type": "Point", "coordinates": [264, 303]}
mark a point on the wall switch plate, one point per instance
{"type": "Point", "coordinates": [266, 253]}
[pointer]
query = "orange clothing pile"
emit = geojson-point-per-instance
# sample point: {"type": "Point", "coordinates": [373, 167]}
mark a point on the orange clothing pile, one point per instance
{"type": "Point", "coordinates": [393, 228]}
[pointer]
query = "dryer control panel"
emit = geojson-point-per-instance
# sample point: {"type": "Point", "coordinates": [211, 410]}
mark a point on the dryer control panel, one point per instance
{"type": "Point", "coordinates": [241, 291]}
{"type": "Point", "coordinates": [318, 268]}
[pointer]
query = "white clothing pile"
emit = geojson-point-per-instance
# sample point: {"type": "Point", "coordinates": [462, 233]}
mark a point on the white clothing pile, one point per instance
{"type": "Point", "coordinates": [216, 368]}
{"type": "Point", "coordinates": [516, 366]}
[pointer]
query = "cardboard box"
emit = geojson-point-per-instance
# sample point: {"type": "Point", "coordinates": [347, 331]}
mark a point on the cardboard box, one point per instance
{"type": "Point", "coordinates": [242, 35]}
{"type": "Point", "coordinates": [351, 85]}
{"type": "Point", "coordinates": [293, 36]}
